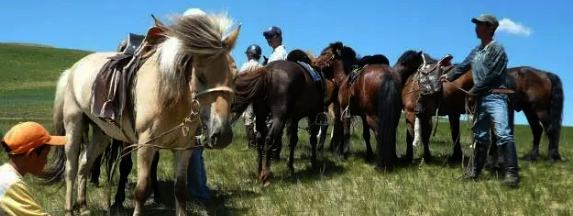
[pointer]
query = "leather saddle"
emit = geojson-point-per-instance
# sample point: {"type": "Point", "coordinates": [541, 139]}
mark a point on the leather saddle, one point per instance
{"type": "Point", "coordinates": [430, 85]}
{"type": "Point", "coordinates": [112, 89]}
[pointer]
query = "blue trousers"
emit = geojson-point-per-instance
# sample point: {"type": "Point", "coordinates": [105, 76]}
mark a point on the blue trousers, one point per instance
{"type": "Point", "coordinates": [197, 177]}
{"type": "Point", "coordinates": [492, 109]}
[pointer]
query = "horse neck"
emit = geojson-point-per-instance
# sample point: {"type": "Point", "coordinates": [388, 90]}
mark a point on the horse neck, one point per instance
{"type": "Point", "coordinates": [338, 72]}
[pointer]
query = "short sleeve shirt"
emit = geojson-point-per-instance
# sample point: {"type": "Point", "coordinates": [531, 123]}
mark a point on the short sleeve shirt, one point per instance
{"type": "Point", "coordinates": [15, 199]}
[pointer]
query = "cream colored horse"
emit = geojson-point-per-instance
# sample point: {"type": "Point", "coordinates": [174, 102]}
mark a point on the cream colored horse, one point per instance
{"type": "Point", "coordinates": [164, 97]}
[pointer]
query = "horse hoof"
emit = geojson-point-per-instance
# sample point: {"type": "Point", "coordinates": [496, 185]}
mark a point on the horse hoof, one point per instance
{"type": "Point", "coordinates": [116, 206]}
{"type": "Point", "coordinates": [530, 157]}
{"type": "Point", "coordinates": [266, 183]}
{"type": "Point", "coordinates": [85, 212]}
{"type": "Point", "coordinates": [556, 158]}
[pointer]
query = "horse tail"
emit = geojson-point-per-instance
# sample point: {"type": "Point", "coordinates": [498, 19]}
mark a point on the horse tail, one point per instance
{"type": "Point", "coordinates": [250, 87]}
{"type": "Point", "coordinates": [57, 174]}
{"type": "Point", "coordinates": [556, 107]}
{"type": "Point", "coordinates": [389, 112]}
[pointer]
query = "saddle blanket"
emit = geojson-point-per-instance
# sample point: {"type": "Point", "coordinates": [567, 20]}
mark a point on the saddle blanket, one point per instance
{"type": "Point", "coordinates": [315, 76]}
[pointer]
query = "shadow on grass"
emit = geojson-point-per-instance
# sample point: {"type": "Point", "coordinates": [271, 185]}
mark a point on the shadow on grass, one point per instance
{"type": "Point", "coordinates": [165, 203]}
{"type": "Point", "coordinates": [326, 167]}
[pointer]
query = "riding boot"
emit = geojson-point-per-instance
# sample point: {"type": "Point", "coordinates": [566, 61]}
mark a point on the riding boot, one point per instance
{"type": "Point", "coordinates": [251, 136]}
{"type": "Point", "coordinates": [480, 155]}
{"type": "Point", "coordinates": [510, 164]}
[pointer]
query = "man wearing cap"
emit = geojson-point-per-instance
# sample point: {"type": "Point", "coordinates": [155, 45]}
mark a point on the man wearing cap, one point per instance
{"type": "Point", "coordinates": [27, 145]}
{"type": "Point", "coordinates": [488, 62]}
{"type": "Point", "coordinates": [253, 56]}
{"type": "Point", "coordinates": [274, 37]}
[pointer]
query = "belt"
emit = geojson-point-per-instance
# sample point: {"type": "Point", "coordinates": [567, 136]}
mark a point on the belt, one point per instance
{"type": "Point", "coordinates": [502, 91]}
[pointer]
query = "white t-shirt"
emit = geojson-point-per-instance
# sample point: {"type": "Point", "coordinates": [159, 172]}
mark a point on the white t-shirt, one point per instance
{"type": "Point", "coordinates": [250, 65]}
{"type": "Point", "coordinates": [279, 53]}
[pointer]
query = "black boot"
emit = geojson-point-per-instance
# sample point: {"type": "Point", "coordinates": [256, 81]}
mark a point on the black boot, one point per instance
{"type": "Point", "coordinates": [480, 155]}
{"type": "Point", "coordinates": [510, 164]}
{"type": "Point", "coordinates": [251, 136]}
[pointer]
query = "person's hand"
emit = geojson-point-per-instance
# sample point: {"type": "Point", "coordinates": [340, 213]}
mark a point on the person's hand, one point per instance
{"type": "Point", "coordinates": [444, 78]}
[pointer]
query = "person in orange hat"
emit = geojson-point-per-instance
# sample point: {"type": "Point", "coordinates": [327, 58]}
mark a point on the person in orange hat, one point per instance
{"type": "Point", "coordinates": [27, 145]}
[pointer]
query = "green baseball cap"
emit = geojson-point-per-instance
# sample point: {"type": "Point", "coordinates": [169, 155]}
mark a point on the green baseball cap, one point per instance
{"type": "Point", "coordinates": [486, 18]}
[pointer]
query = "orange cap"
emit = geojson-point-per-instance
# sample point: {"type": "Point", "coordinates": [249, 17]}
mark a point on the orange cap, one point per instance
{"type": "Point", "coordinates": [27, 136]}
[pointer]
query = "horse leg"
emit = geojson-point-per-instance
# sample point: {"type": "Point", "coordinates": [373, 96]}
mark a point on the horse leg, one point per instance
{"type": "Point", "coordinates": [426, 124]}
{"type": "Point", "coordinates": [345, 147]}
{"type": "Point", "coordinates": [552, 135]}
{"type": "Point", "coordinates": [313, 140]}
{"type": "Point", "coordinates": [273, 138]}
{"type": "Point", "coordinates": [457, 153]}
{"type": "Point", "coordinates": [181, 161]}
{"type": "Point", "coordinates": [367, 123]}
{"type": "Point", "coordinates": [261, 133]}
{"type": "Point", "coordinates": [410, 121]}
{"type": "Point", "coordinates": [154, 183]}
{"type": "Point", "coordinates": [124, 169]}
{"type": "Point", "coordinates": [142, 190]}
{"type": "Point", "coordinates": [98, 144]}
{"type": "Point", "coordinates": [417, 132]}
{"type": "Point", "coordinates": [536, 130]}
{"type": "Point", "coordinates": [293, 140]}
{"type": "Point", "coordinates": [76, 126]}
{"type": "Point", "coordinates": [96, 171]}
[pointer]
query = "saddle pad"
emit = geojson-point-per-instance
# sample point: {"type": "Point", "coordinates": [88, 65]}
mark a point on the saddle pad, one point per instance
{"type": "Point", "coordinates": [315, 76]}
{"type": "Point", "coordinates": [355, 74]}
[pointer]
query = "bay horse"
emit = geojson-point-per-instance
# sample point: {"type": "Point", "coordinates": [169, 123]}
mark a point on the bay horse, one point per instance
{"type": "Point", "coordinates": [373, 94]}
{"type": "Point", "coordinates": [539, 94]}
{"type": "Point", "coordinates": [287, 91]}
{"type": "Point", "coordinates": [165, 98]}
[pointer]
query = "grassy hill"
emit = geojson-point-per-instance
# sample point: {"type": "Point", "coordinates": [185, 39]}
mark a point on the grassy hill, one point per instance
{"type": "Point", "coordinates": [28, 75]}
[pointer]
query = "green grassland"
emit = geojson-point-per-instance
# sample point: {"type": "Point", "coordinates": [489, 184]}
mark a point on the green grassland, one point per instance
{"type": "Point", "coordinates": [28, 76]}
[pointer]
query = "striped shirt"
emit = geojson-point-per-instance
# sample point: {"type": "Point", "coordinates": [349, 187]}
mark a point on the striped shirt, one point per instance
{"type": "Point", "coordinates": [15, 199]}
{"type": "Point", "coordinates": [489, 68]}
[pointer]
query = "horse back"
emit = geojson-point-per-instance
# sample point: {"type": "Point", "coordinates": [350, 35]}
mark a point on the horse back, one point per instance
{"type": "Point", "coordinates": [363, 93]}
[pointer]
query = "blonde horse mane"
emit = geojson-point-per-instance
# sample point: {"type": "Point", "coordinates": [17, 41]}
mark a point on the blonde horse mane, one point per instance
{"type": "Point", "coordinates": [188, 36]}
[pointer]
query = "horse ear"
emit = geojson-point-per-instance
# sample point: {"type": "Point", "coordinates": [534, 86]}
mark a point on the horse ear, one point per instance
{"type": "Point", "coordinates": [420, 52]}
{"type": "Point", "coordinates": [158, 22]}
{"type": "Point", "coordinates": [155, 35]}
{"type": "Point", "coordinates": [231, 39]}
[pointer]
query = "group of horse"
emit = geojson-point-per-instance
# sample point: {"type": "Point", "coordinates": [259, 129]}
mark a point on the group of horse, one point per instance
{"type": "Point", "coordinates": [187, 83]}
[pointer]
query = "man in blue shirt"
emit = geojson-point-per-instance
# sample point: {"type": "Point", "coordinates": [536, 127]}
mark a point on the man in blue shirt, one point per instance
{"type": "Point", "coordinates": [488, 62]}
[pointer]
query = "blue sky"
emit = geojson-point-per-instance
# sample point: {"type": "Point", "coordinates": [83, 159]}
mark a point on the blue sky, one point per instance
{"type": "Point", "coordinates": [369, 26]}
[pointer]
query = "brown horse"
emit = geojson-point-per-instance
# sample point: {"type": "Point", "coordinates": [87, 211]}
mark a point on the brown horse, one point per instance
{"type": "Point", "coordinates": [289, 92]}
{"type": "Point", "coordinates": [538, 93]}
{"type": "Point", "coordinates": [372, 93]}
{"type": "Point", "coordinates": [451, 102]}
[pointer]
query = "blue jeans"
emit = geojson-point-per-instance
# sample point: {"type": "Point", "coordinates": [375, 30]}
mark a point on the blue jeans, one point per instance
{"type": "Point", "coordinates": [492, 109]}
{"type": "Point", "coordinates": [196, 176]}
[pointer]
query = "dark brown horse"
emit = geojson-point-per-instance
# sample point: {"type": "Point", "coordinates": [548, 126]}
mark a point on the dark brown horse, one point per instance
{"type": "Point", "coordinates": [286, 90]}
{"type": "Point", "coordinates": [373, 93]}
{"type": "Point", "coordinates": [539, 94]}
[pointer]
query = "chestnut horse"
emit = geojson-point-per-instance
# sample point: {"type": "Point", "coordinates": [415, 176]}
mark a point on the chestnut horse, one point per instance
{"type": "Point", "coordinates": [287, 90]}
{"type": "Point", "coordinates": [538, 93]}
{"type": "Point", "coordinates": [373, 94]}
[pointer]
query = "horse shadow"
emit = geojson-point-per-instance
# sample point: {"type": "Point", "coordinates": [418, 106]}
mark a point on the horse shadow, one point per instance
{"type": "Point", "coordinates": [326, 167]}
{"type": "Point", "coordinates": [165, 204]}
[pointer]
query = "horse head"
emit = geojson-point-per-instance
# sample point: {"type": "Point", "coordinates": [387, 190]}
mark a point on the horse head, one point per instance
{"type": "Point", "coordinates": [194, 54]}
{"type": "Point", "coordinates": [335, 53]}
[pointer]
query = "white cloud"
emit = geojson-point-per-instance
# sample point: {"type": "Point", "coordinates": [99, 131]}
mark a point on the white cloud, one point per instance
{"type": "Point", "coordinates": [512, 27]}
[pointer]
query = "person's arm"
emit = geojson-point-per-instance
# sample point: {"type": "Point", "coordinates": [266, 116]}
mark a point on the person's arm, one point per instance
{"type": "Point", "coordinates": [462, 68]}
{"type": "Point", "coordinates": [18, 201]}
